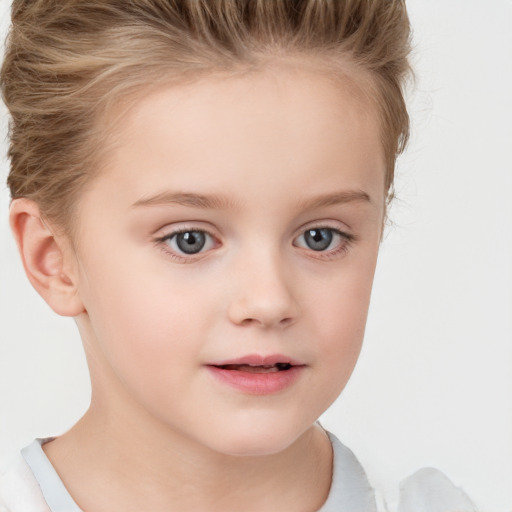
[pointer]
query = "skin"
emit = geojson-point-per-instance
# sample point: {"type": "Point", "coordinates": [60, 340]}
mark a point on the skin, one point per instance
{"type": "Point", "coordinates": [161, 433]}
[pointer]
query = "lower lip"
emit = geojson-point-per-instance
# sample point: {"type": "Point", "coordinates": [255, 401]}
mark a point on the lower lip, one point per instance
{"type": "Point", "coordinates": [257, 383]}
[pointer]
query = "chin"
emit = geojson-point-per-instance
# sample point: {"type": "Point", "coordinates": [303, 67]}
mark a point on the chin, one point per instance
{"type": "Point", "coordinates": [259, 440]}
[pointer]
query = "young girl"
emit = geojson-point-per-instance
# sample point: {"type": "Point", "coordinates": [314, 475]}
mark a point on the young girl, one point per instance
{"type": "Point", "coordinates": [202, 185]}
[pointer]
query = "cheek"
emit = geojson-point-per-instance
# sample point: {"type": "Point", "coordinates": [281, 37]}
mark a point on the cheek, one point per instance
{"type": "Point", "coordinates": [340, 311]}
{"type": "Point", "coordinates": [339, 333]}
{"type": "Point", "coordinates": [140, 320]}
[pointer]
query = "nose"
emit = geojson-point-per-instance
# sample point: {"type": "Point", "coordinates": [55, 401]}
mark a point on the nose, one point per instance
{"type": "Point", "coordinates": [263, 294]}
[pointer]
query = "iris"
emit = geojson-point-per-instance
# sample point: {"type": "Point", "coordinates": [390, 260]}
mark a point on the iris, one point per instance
{"type": "Point", "coordinates": [191, 242]}
{"type": "Point", "coordinates": [318, 239]}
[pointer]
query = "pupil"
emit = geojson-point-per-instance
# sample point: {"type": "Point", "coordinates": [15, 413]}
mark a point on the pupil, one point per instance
{"type": "Point", "coordinates": [318, 239]}
{"type": "Point", "coordinates": [191, 242]}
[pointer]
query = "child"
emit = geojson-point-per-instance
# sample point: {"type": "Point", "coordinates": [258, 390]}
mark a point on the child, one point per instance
{"type": "Point", "coordinates": [202, 186]}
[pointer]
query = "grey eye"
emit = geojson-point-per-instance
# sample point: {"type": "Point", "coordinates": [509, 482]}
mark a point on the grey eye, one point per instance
{"type": "Point", "coordinates": [318, 239]}
{"type": "Point", "coordinates": [189, 242]}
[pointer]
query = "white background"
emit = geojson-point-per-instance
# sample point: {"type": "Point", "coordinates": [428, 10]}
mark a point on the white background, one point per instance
{"type": "Point", "coordinates": [433, 386]}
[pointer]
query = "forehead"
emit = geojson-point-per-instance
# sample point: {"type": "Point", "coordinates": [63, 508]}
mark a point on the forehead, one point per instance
{"type": "Point", "coordinates": [221, 130]}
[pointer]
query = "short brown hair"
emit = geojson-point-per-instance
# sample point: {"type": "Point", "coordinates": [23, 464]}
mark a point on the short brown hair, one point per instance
{"type": "Point", "coordinates": [67, 60]}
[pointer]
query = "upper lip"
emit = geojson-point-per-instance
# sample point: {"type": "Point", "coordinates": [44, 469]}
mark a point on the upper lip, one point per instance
{"type": "Point", "coordinates": [258, 360]}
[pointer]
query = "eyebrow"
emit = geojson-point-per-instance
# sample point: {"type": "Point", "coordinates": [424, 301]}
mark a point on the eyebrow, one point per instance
{"type": "Point", "coordinates": [345, 196]}
{"type": "Point", "coordinates": [213, 201]}
{"type": "Point", "coordinates": [219, 202]}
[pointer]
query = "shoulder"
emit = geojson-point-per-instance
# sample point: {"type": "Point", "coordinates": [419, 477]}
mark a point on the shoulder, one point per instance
{"type": "Point", "coordinates": [350, 489]}
{"type": "Point", "coordinates": [19, 490]}
{"type": "Point", "coordinates": [427, 490]}
{"type": "Point", "coordinates": [430, 490]}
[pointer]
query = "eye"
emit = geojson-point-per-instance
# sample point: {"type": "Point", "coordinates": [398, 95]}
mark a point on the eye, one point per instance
{"type": "Point", "coordinates": [318, 239]}
{"type": "Point", "coordinates": [189, 242]}
{"type": "Point", "coordinates": [323, 239]}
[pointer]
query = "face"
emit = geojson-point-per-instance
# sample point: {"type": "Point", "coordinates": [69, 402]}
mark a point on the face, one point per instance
{"type": "Point", "coordinates": [226, 257]}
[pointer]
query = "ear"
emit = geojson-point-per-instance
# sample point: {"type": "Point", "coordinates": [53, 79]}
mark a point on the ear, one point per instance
{"type": "Point", "coordinates": [49, 261]}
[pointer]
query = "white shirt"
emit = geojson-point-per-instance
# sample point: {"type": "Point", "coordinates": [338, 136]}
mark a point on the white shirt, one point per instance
{"type": "Point", "coordinates": [33, 485]}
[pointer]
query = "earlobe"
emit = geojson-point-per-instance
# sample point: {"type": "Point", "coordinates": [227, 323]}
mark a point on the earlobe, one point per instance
{"type": "Point", "coordinates": [46, 258]}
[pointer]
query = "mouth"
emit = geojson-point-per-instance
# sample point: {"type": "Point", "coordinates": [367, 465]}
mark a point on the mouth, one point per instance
{"type": "Point", "coordinates": [250, 368]}
{"type": "Point", "coordinates": [258, 375]}
{"type": "Point", "coordinates": [256, 363]}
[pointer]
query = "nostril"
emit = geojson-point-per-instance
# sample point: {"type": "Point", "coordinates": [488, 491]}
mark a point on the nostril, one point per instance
{"type": "Point", "coordinates": [249, 321]}
{"type": "Point", "coordinates": [265, 310]}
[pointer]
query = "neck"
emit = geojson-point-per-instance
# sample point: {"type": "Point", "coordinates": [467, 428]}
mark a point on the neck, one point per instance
{"type": "Point", "coordinates": [143, 466]}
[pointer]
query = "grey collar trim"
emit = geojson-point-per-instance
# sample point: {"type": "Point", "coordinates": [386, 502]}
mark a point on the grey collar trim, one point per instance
{"type": "Point", "coordinates": [54, 492]}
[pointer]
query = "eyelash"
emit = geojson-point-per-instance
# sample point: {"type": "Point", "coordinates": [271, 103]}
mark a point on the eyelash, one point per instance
{"type": "Point", "coordinates": [343, 246]}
